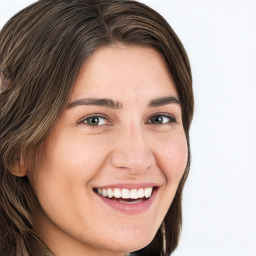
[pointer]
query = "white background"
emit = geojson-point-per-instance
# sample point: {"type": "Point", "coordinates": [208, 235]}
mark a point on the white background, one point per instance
{"type": "Point", "coordinates": [220, 195]}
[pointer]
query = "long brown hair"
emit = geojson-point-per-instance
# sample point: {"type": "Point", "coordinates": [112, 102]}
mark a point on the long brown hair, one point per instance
{"type": "Point", "coordinates": [42, 50]}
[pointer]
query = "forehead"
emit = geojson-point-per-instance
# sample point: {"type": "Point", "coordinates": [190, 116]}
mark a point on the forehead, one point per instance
{"type": "Point", "coordinates": [124, 72]}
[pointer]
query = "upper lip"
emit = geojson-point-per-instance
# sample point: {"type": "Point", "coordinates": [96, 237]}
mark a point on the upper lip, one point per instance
{"type": "Point", "coordinates": [129, 185]}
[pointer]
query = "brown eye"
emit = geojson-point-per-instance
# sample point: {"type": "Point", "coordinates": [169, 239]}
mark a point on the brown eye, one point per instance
{"type": "Point", "coordinates": [157, 120]}
{"type": "Point", "coordinates": [162, 119]}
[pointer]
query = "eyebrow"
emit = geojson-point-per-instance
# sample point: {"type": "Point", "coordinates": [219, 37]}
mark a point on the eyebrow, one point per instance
{"type": "Point", "coordinates": [98, 102]}
{"type": "Point", "coordinates": [161, 101]}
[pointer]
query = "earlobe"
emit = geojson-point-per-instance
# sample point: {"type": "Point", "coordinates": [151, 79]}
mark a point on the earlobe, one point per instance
{"type": "Point", "coordinates": [19, 168]}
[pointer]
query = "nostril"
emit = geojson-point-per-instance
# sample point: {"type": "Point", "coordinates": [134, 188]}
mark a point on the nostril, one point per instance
{"type": "Point", "coordinates": [136, 160]}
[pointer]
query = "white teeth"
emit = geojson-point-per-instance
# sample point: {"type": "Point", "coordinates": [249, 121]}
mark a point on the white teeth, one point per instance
{"type": "Point", "coordinates": [125, 193]}
{"type": "Point", "coordinates": [141, 193]}
{"type": "Point", "coordinates": [117, 193]}
{"type": "Point", "coordinates": [110, 192]}
{"type": "Point", "coordinates": [148, 192]}
{"type": "Point", "coordinates": [134, 194]}
{"type": "Point", "coordinates": [104, 192]}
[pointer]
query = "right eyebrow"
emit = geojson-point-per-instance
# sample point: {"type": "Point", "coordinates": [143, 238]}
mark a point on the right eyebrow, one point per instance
{"type": "Point", "coordinates": [161, 101]}
{"type": "Point", "coordinates": [103, 102]}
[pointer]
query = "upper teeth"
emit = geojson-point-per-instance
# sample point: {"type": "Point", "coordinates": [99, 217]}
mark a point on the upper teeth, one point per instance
{"type": "Point", "coordinates": [125, 193]}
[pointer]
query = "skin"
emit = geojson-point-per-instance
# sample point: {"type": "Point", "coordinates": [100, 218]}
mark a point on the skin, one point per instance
{"type": "Point", "coordinates": [127, 146]}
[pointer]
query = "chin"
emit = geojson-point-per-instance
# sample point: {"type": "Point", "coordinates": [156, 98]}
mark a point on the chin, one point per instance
{"type": "Point", "coordinates": [131, 243]}
{"type": "Point", "coordinates": [128, 247]}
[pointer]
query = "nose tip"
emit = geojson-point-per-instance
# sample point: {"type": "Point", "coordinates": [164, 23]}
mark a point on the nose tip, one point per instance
{"type": "Point", "coordinates": [136, 157]}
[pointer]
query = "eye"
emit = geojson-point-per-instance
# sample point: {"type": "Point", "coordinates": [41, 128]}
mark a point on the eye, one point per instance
{"type": "Point", "coordinates": [95, 120]}
{"type": "Point", "coordinates": [162, 119]}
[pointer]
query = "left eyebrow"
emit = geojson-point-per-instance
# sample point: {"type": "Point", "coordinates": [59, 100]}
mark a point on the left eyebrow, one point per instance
{"type": "Point", "coordinates": [161, 101]}
{"type": "Point", "coordinates": [97, 102]}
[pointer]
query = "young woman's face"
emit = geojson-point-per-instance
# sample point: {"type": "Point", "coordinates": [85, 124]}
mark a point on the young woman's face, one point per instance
{"type": "Point", "coordinates": [115, 158]}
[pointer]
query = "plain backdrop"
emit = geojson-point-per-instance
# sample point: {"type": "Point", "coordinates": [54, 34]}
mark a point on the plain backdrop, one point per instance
{"type": "Point", "coordinates": [219, 205]}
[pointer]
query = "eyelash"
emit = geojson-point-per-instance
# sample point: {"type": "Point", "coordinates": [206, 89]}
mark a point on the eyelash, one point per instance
{"type": "Point", "coordinates": [171, 118]}
{"type": "Point", "coordinates": [83, 121]}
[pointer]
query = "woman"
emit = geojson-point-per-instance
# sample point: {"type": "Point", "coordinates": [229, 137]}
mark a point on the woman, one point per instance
{"type": "Point", "coordinates": [96, 105]}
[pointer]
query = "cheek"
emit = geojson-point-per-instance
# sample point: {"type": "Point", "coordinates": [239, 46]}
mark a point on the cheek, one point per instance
{"type": "Point", "coordinates": [62, 180]}
{"type": "Point", "coordinates": [72, 156]}
{"type": "Point", "coordinates": [68, 166]}
{"type": "Point", "coordinates": [174, 157]}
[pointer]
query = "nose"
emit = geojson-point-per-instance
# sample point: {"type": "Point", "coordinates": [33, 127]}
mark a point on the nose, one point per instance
{"type": "Point", "coordinates": [132, 152]}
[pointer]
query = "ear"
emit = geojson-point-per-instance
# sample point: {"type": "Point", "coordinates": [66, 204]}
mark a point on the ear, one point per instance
{"type": "Point", "coordinates": [19, 168]}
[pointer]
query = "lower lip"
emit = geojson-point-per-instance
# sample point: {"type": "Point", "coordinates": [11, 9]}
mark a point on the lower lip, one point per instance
{"type": "Point", "coordinates": [129, 208]}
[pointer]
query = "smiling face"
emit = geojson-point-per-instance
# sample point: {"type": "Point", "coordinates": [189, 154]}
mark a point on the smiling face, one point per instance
{"type": "Point", "coordinates": [114, 160]}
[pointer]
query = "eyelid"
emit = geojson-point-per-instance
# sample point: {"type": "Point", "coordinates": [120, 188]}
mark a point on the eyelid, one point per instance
{"type": "Point", "coordinates": [82, 120]}
{"type": "Point", "coordinates": [170, 116]}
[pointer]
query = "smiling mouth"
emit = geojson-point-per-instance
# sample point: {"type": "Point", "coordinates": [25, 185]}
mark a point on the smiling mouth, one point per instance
{"type": "Point", "coordinates": [126, 195]}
